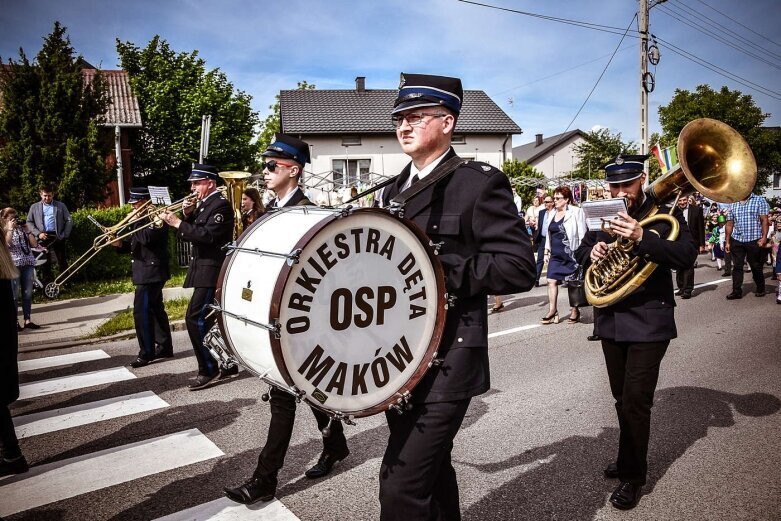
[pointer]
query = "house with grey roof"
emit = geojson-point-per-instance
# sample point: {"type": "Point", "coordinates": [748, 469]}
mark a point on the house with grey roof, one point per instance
{"type": "Point", "coordinates": [354, 144]}
{"type": "Point", "coordinates": [553, 156]}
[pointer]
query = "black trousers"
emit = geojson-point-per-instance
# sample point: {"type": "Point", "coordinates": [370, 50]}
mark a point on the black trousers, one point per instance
{"type": "Point", "coordinates": [56, 252]}
{"type": "Point", "coordinates": [742, 251]}
{"type": "Point", "coordinates": [199, 320]}
{"type": "Point", "coordinates": [280, 430]}
{"type": "Point", "coordinates": [417, 478]}
{"type": "Point", "coordinates": [633, 370]}
{"type": "Point", "coordinates": [685, 280]}
{"type": "Point", "coordinates": [540, 257]}
{"type": "Point", "coordinates": [9, 445]}
{"type": "Point", "coordinates": [151, 320]}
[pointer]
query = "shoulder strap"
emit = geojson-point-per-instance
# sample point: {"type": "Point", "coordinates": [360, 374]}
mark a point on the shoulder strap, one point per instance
{"type": "Point", "coordinates": [441, 171]}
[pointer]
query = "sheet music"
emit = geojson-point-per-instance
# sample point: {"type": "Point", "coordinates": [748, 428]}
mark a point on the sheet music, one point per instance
{"type": "Point", "coordinates": [159, 195]}
{"type": "Point", "coordinates": [596, 211]}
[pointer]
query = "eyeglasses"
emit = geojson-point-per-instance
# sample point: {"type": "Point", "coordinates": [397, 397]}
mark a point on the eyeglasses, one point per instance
{"type": "Point", "coordinates": [273, 164]}
{"type": "Point", "coordinates": [557, 197]}
{"type": "Point", "coordinates": [414, 119]}
{"type": "Point", "coordinates": [548, 202]}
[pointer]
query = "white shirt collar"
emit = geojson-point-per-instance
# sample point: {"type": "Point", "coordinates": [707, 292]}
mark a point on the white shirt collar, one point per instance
{"type": "Point", "coordinates": [426, 171]}
{"type": "Point", "coordinates": [282, 202]}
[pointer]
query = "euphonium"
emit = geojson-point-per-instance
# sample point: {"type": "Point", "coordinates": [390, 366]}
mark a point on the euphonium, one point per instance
{"type": "Point", "coordinates": [716, 161]}
{"type": "Point", "coordinates": [235, 183]}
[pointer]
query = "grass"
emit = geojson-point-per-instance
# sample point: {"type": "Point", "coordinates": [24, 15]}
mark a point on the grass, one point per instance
{"type": "Point", "coordinates": [123, 321]}
{"type": "Point", "coordinates": [99, 288]}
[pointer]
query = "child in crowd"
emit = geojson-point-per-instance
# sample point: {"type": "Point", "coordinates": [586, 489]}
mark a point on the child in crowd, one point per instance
{"type": "Point", "coordinates": [717, 238]}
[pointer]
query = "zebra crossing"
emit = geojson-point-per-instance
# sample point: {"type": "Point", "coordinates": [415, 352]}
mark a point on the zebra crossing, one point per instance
{"type": "Point", "coordinates": [49, 482]}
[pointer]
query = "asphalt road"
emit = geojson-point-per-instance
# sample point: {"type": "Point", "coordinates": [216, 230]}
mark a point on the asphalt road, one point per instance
{"type": "Point", "coordinates": [530, 449]}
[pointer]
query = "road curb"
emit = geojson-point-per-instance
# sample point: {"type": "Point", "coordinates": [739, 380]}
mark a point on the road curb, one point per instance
{"type": "Point", "coordinates": [34, 346]}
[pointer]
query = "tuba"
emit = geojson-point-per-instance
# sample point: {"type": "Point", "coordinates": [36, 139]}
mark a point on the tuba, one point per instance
{"type": "Point", "coordinates": [716, 161]}
{"type": "Point", "coordinates": [235, 182]}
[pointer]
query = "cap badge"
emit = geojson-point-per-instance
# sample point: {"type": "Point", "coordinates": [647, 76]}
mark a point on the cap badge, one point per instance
{"type": "Point", "coordinates": [619, 160]}
{"type": "Point", "coordinates": [218, 218]}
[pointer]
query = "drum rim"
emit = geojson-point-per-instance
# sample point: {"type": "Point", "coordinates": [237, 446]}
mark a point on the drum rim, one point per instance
{"type": "Point", "coordinates": [439, 322]}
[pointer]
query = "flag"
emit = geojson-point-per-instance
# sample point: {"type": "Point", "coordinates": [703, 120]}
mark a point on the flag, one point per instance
{"type": "Point", "coordinates": [658, 154]}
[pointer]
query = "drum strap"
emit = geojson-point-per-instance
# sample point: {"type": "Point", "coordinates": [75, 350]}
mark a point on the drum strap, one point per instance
{"type": "Point", "coordinates": [440, 172]}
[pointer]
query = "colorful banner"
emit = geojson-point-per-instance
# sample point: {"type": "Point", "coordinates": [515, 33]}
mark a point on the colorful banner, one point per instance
{"type": "Point", "coordinates": [667, 158]}
{"type": "Point", "coordinates": [658, 154]}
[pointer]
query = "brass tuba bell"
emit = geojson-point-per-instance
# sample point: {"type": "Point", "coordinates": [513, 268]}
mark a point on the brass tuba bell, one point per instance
{"type": "Point", "coordinates": [716, 161]}
{"type": "Point", "coordinates": [235, 182]}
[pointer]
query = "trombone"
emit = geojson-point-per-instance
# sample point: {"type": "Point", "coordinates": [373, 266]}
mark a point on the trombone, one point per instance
{"type": "Point", "coordinates": [110, 234]}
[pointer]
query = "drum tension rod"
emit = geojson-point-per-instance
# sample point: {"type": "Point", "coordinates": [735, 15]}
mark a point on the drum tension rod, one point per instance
{"type": "Point", "coordinates": [272, 328]}
{"type": "Point", "coordinates": [436, 246]}
{"type": "Point", "coordinates": [336, 416]}
{"type": "Point", "coordinates": [450, 300]}
{"type": "Point", "coordinates": [402, 404]}
{"type": "Point", "coordinates": [292, 257]}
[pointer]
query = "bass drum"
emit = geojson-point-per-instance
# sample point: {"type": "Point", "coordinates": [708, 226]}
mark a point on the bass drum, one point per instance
{"type": "Point", "coordinates": [343, 307]}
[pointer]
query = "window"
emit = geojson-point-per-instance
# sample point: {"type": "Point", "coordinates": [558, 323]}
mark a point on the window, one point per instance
{"type": "Point", "coordinates": [351, 141]}
{"type": "Point", "coordinates": [777, 181]}
{"type": "Point", "coordinates": [458, 139]}
{"type": "Point", "coordinates": [357, 170]}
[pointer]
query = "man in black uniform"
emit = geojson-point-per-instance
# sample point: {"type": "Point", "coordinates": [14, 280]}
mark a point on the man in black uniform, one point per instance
{"type": "Point", "coordinates": [148, 248]}
{"type": "Point", "coordinates": [696, 223]}
{"type": "Point", "coordinates": [282, 172]}
{"type": "Point", "coordinates": [209, 227]}
{"type": "Point", "coordinates": [468, 207]}
{"type": "Point", "coordinates": [636, 331]}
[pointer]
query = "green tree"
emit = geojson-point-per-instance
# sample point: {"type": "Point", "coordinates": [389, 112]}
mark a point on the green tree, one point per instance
{"type": "Point", "coordinates": [598, 148]}
{"type": "Point", "coordinates": [49, 127]}
{"type": "Point", "coordinates": [734, 108]}
{"type": "Point", "coordinates": [524, 178]}
{"type": "Point", "coordinates": [272, 124]}
{"type": "Point", "coordinates": [174, 91]}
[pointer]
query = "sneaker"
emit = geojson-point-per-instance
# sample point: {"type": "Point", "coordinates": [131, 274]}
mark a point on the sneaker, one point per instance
{"type": "Point", "coordinates": [31, 325]}
{"type": "Point", "coordinates": [139, 362]}
{"type": "Point", "coordinates": [203, 381]}
{"type": "Point", "coordinates": [17, 465]}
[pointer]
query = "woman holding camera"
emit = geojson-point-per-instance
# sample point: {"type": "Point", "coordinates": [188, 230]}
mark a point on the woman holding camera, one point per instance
{"type": "Point", "coordinates": [20, 242]}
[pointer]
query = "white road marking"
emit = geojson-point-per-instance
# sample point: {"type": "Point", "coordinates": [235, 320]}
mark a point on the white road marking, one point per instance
{"type": "Point", "coordinates": [56, 361]}
{"type": "Point", "coordinates": [226, 510]}
{"type": "Point", "coordinates": [67, 417]}
{"type": "Point", "coordinates": [75, 476]}
{"type": "Point", "coordinates": [713, 282]}
{"type": "Point", "coordinates": [513, 330]}
{"type": "Point", "coordinates": [70, 383]}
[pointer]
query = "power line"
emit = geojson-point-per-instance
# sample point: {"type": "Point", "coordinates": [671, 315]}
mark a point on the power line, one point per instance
{"type": "Point", "coordinates": [703, 17]}
{"type": "Point", "coordinates": [671, 14]}
{"type": "Point", "coordinates": [740, 24]}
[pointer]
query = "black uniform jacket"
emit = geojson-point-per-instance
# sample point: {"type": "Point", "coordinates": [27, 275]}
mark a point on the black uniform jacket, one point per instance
{"type": "Point", "coordinates": [537, 236]}
{"type": "Point", "coordinates": [148, 249]}
{"type": "Point", "coordinates": [298, 199]}
{"type": "Point", "coordinates": [486, 251]}
{"type": "Point", "coordinates": [647, 314]}
{"type": "Point", "coordinates": [696, 222]}
{"type": "Point", "coordinates": [209, 228]}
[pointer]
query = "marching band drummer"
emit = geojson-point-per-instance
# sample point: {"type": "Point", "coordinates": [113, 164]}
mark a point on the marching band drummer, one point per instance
{"type": "Point", "coordinates": [148, 247]}
{"type": "Point", "coordinates": [485, 251]}
{"type": "Point", "coordinates": [282, 173]}
{"type": "Point", "coordinates": [636, 331]}
{"type": "Point", "coordinates": [209, 226]}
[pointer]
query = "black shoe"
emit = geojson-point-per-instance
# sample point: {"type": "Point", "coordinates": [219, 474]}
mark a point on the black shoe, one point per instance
{"type": "Point", "coordinates": [163, 352]}
{"type": "Point", "coordinates": [593, 338]}
{"type": "Point", "coordinates": [678, 293]}
{"type": "Point", "coordinates": [325, 464]}
{"type": "Point", "coordinates": [735, 295]}
{"type": "Point", "coordinates": [256, 489]}
{"type": "Point", "coordinates": [760, 293]}
{"type": "Point", "coordinates": [203, 381]}
{"type": "Point", "coordinates": [229, 372]}
{"type": "Point", "coordinates": [31, 325]}
{"type": "Point", "coordinates": [611, 471]}
{"type": "Point", "coordinates": [139, 362]}
{"type": "Point", "coordinates": [686, 295]}
{"type": "Point", "coordinates": [726, 274]}
{"type": "Point", "coordinates": [17, 465]}
{"type": "Point", "coordinates": [625, 496]}
{"type": "Point", "coordinates": [19, 328]}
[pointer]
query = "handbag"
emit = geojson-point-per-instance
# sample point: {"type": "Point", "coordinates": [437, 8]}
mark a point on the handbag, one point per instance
{"type": "Point", "coordinates": [576, 289]}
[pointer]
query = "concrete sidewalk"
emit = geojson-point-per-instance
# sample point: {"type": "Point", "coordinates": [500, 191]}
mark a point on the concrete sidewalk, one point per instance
{"type": "Point", "coordinates": [65, 323]}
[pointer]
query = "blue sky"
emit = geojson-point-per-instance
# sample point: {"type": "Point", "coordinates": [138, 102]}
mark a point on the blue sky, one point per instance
{"type": "Point", "coordinates": [540, 72]}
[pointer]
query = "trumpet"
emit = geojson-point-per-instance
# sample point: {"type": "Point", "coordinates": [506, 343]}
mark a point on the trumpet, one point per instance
{"type": "Point", "coordinates": [118, 232]}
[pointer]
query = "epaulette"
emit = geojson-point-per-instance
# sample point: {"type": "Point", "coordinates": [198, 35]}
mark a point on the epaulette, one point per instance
{"type": "Point", "coordinates": [479, 166]}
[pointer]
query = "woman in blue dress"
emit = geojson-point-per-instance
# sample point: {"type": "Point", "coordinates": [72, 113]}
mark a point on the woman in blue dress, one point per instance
{"type": "Point", "coordinates": [567, 228]}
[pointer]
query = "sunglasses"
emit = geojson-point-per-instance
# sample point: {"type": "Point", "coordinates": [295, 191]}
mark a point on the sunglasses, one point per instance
{"type": "Point", "coordinates": [273, 164]}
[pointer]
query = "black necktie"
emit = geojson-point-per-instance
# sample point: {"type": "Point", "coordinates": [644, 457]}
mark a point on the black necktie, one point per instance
{"type": "Point", "coordinates": [414, 180]}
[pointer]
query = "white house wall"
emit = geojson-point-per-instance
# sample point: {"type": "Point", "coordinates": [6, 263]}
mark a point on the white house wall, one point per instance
{"type": "Point", "coordinates": [386, 156]}
{"type": "Point", "coordinates": [560, 162]}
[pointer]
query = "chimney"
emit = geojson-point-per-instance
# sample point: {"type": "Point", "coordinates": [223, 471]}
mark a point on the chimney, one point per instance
{"type": "Point", "coordinates": [360, 83]}
{"type": "Point", "coordinates": [537, 140]}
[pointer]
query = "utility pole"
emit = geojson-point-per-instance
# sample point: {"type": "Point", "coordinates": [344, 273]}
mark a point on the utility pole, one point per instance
{"type": "Point", "coordinates": [643, 22]}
